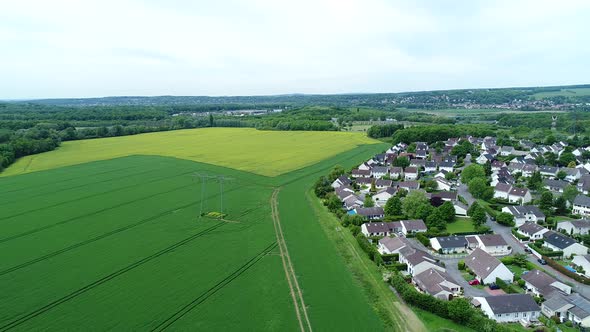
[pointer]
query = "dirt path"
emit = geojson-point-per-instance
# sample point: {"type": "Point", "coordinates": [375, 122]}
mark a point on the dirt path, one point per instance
{"type": "Point", "coordinates": [296, 294]}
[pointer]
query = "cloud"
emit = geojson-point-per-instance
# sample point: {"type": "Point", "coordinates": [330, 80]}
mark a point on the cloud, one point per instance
{"type": "Point", "coordinates": [93, 48]}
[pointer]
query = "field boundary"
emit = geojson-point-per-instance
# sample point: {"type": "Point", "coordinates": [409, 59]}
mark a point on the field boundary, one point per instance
{"type": "Point", "coordinates": [294, 288]}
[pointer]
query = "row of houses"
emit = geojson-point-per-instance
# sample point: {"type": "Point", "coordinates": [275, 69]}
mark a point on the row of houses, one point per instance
{"type": "Point", "coordinates": [379, 229]}
{"type": "Point", "coordinates": [493, 244]}
{"type": "Point", "coordinates": [552, 240]}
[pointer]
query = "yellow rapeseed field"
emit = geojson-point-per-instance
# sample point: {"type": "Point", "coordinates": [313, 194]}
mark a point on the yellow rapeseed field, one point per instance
{"type": "Point", "coordinates": [269, 153]}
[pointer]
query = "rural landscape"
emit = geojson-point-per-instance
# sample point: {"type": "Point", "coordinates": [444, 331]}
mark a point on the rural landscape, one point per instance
{"type": "Point", "coordinates": [311, 166]}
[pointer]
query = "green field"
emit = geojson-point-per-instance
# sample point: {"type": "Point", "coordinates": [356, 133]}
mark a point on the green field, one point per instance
{"type": "Point", "coordinates": [460, 225]}
{"type": "Point", "coordinates": [269, 153]}
{"type": "Point", "coordinates": [118, 244]}
{"type": "Point", "coordinates": [563, 92]}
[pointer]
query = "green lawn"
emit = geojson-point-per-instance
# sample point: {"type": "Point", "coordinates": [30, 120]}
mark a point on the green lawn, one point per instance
{"type": "Point", "coordinates": [436, 323]}
{"type": "Point", "coordinates": [460, 225]}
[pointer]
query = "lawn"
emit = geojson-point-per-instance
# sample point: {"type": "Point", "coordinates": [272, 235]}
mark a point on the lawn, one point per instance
{"type": "Point", "coordinates": [436, 323]}
{"type": "Point", "coordinates": [460, 225]}
{"type": "Point", "coordinates": [269, 153]}
{"type": "Point", "coordinates": [123, 238]}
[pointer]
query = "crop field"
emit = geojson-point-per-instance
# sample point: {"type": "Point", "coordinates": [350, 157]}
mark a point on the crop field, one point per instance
{"type": "Point", "coordinates": [563, 92]}
{"type": "Point", "coordinates": [120, 244]}
{"type": "Point", "coordinates": [269, 153]}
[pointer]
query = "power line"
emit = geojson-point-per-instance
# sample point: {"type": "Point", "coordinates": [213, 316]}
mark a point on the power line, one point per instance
{"type": "Point", "coordinates": [219, 178]}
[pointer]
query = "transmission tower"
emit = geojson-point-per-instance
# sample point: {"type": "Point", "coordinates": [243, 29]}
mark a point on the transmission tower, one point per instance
{"type": "Point", "coordinates": [221, 179]}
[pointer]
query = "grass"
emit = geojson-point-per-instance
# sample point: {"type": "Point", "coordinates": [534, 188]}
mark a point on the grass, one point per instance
{"type": "Point", "coordinates": [117, 244]}
{"type": "Point", "coordinates": [460, 225]}
{"type": "Point", "coordinates": [268, 153]}
{"type": "Point", "coordinates": [563, 92]}
{"type": "Point", "coordinates": [436, 323]}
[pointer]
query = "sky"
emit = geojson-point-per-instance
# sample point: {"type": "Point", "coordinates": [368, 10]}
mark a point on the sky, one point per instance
{"type": "Point", "coordinates": [88, 48]}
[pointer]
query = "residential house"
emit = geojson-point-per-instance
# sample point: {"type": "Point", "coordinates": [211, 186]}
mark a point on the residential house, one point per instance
{"type": "Point", "coordinates": [497, 165]}
{"type": "Point", "coordinates": [484, 158]}
{"type": "Point", "coordinates": [375, 229]}
{"type": "Point", "coordinates": [381, 197]}
{"type": "Point", "coordinates": [361, 173]}
{"type": "Point", "coordinates": [447, 166]}
{"type": "Point", "coordinates": [418, 261]}
{"type": "Point", "coordinates": [342, 180]}
{"type": "Point", "coordinates": [413, 226]}
{"type": "Point", "coordinates": [574, 307]}
{"type": "Point", "coordinates": [364, 166]}
{"type": "Point", "coordinates": [353, 202]}
{"type": "Point", "coordinates": [437, 283]}
{"type": "Point", "coordinates": [395, 172]}
{"type": "Point", "coordinates": [487, 267]}
{"type": "Point", "coordinates": [410, 173]}
{"type": "Point", "coordinates": [449, 244]}
{"type": "Point", "coordinates": [525, 213]}
{"type": "Point", "coordinates": [418, 163]}
{"type": "Point", "coordinates": [519, 195]}
{"type": "Point", "coordinates": [460, 208]}
{"type": "Point", "coordinates": [408, 185]}
{"type": "Point", "coordinates": [559, 242]}
{"type": "Point", "coordinates": [541, 284]}
{"type": "Point", "coordinates": [443, 184]}
{"type": "Point", "coordinates": [379, 171]}
{"type": "Point", "coordinates": [548, 171]}
{"type": "Point", "coordinates": [584, 184]}
{"type": "Point", "coordinates": [584, 262]}
{"type": "Point", "coordinates": [421, 154]}
{"type": "Point", "coordinates": [555, 186]}
{"type": "Point", "coordinates": [493, 244]}
{"type": "Point", "coordinates": [582, 205]}
{"type": "Point", "coordinates": [510, 308]}
{"type": "Point", "coordinates": [370, 213]}
{"type": "Point", "coordinates": [581, 226]}
{"type": "Point", "coordinates": [506, 150]}
{"type": "Point", "coordinates": [572, 174]}
{"type": "Point", "coordinates": [447, 196]}
{"type": "Point", "coordinates": [501, 190]}
{"type": "Point", "coordinates": [430, 167]}
{"type": "Point", "coordinates": [532, 230]}
{"type": "Point", "coordinates": [392, 245]}
{"type": "Point", "coordinates": [382, 184]}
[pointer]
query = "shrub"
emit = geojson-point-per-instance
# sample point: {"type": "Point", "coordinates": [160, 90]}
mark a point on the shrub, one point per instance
{"type": "Point", "coordinates": [565, 271]}
{"type": "Point", "coordinates": [461, 265]}
{"type": "Point", "coordinates": [423, 239]}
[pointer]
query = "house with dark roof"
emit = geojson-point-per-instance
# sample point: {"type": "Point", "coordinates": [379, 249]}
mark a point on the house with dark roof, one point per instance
{"type": "Point", "coordinates": [418, 261]}
{"type": "Point", "coordinates": [413, 226]}
{"type": "Point", "coordinates": [379, 171]}
{"type": "Point", "coordinates": [581, 226]}
{"type": "Point", "coordinates": [501, 190]}
{"type": "Point", "coordinates": [374, 229]}
{"type": "Point", "coordinates": [572, 174]}
{"type": "Point", "coordinates": [548, 171]}
{"type": "Point", "coordinates": [525, 213]}
{"type": "Point", "coordinates": [408, 185]}
{"type": "Point", "coordinates": [342, 180]}
{"type": "Point", "coordinates": [582, 205]}
{"type": "Point", "coordinates": [584, 184]}
{"type": "Point", "coordinates": [430, 167]}
{"type": "Point", "coordinates": [556, 186]}
{"type": "Point", "coordinates": [447, 196]}
{"type": "Point", "coordinates": [361, 173]}
{"type": "Point", "coordinates": [574, 308]}
{"type": "Point", "coordinates": [540, 283]}
{"type": "Point", "coordinates": [493, 244]}
{"type": "Point", "coordinates": [519, 195]}
{"type": "Point", "coordinates": [437, 283]}
{"type": "Point", "coordinates": [532, 230]}
{"type": "Point", "coordinates": [487, 267]}
{"type": "Point", "coordinates": [559, 242]}
{"type": "Point", "coordinates": [410, 173]}
{"type": "Point", "coordinates": [447, 166]}
{"type": "Point", "coordinates": [352, 202]}
{"type": "Point", "coordinates": [381, 197]}
{"type": "Point", "coordinates": [510, 308]}
{"type": "Point", "coordinates": [381, 184]}
{"type": "Point", "coordinates": [395, 172]}
{"type": "Point", "coordinates": [370, 213]}
{"type": "Point", "coordinates": [392, 245]}
{"type": "Point", "coordinates": [449, 244]}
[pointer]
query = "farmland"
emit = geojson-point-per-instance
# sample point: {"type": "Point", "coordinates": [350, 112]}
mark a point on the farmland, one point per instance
{"type": "Point", "coordinates": [269, 153]}
{"type": "Point", "coordinates": [119, 244]}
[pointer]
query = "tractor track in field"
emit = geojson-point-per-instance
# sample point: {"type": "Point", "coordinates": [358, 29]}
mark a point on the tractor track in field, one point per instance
{"type": "Point", "coordinates": [90, 196]}
{"type": "Point", "coordinates": [212, 290]}
{"type": "Point", "coordinates": [23, 319]}
{"type": "Point", "coordinates": [84, 185]}
{"type": "Point", "coordinates": [68, 180]}
{"type": "Point", "coordinates": [295, 290]}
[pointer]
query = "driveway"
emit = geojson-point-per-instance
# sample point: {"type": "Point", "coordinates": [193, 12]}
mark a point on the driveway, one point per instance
{"type": "Point", "coordinates": [453, 271]}
{"type": "Point", "coordinates": [463, 191]}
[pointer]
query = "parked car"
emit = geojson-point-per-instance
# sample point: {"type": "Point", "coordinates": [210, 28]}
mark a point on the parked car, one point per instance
{"type": "Point", "coordinates": [494, 286]}
{"type": "Point", "coordinates": [528, 250]}
{"type": "Point", "coordinates": [542, 261]}
{"type": "Point", "coordinates": [474, 282]}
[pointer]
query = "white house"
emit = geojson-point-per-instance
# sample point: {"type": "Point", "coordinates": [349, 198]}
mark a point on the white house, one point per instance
{"type": "Point", "coordinates": [410, 173]}
{"type": "Point", "coordinates": [341, 181]}
{"type": "Point", "coordinates": [418, 261]}
{"type": "Point", "coordinates": [413, 226]}
{"type": "Point", "coordinates": [574, 307]}
{"type": "Point", "coordinates": [509, 307]}
{"type": "Point", "coordinates": [392, 245]}
{"type": "Point", "coordinates": [443, 184]}
{"type": "Point", "coordinates": [581, 226]}
{"type": "Point", "coordinates": [460, 208]}
{"type": "Point", "coordinates": [493, 244]}
{"type": "Point", "coordinates": [437, 283]}
{"type": "Point", "coordinates": [487, 267]}
{"type": "Point", "coordinates": [582, 205]}
{"type": "Point", "coordinates": [381, 197]}
{"type": "Point", "coordinates": [364, 166]}
{"type": "Point", "coordinates": [584, 262]}
{"type": "Point", "coordinates": [532, 230]}
{"type": "Point", "coordinates": [378, 171]}
{"type": "Point", "coordinates": [525, 213]}
{"type": "Point", "coordinates": [501, 190]}
{"type": "Point", "coordinates": [395, 172]}
{"type": "Point", "coordinates": [373, 229]}
{"type": "Point", "coordinates": [449, 244]}
{"type": "Point", "coordinates": [559, 242]}
{"type": "Point", "coordinates": [519, 195]}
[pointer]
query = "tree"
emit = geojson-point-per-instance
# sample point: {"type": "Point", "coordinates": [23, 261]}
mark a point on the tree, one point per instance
{"type": "Point", "coordinates": [520, 259]}
{"type": "Point", "coordinates": [550, 140]}
{"type": "Point", "coordinates": [478, 217]}
{"type": "Point", "coordinates": [460, 310]}
{"type": "Point", "coordinates": [472, 208]}
{"type": "Point", "coordinates": [336, 172]}
{"type": "Point", "coordinates": [322, 187]}
{"type": "Point", "coordinates": [415, 205]}
{"type": "Point", "coordinates": [393, 207]}
{"type": "Point", "coordinates": [463, 149]}
{"type": "Point", "coordinates": [436, 219]}
{"type": "Point", "coordinates": [506, 219]}
{"type": "Point", "coordinates": [401, 162]}
{"type": "Point", "coordinates": [479, 188]}
{"type": "Point", "coordinates": [560, 205]}
{"type": "Point", "coordinates": [471, 172]}
{"type": "Point", "coordinates": [368, 202]}
{"type": "Point", "coordinates": [566, 158]}
{"type": "Point", "coordinates": [572, 164]}
{"type": "Point", "coordinates": [333, 202]}
{"type": "Point", "coordinates": [430, 185]}
{"type": "Point", "coordinates": [448, 211]}
{"type": "Point", "coordinates": [546, 203]}
{"type": "Point", "coordinates": [550, 158]}
{"type": "Point", "coordinates": [211, 120]}
{"type": "Point", "coordinates": [561, 175]}
{"type": "Point", "coordinates": [535, 181]}
{"type": "Point", "coordinates": [450, 176]}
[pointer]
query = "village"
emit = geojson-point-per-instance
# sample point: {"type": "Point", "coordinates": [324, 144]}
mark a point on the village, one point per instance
{"type": "Point", "coordinates": [503, 226]}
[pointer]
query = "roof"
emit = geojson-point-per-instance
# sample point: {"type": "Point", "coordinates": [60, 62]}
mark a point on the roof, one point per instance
{"type": "Point", "coordinates": [452, 241]}
{"type": "Point", "coordinates": [548, 169]}
{"type": "Point", "coordinates": [434, 281]}
{"type": "Point", "coordinates": [411, 170]}
{"type": "Point", "coordinates": [385, 183]}
{"type": "Point", "coordinates": [380, 227]}
{"type": "Point", "coordinates": [379, 169]}
{"type": "Point", "coordinates": [445, 194]}
{"type": "Point", "coordinates": [395, 169]}
{"type": "Point", "coordinates": [361, 172]}
{"type": "Point", "coordinates": [557, 301]}
{"type": "Point", "coordinates": [492, 240]}
{"type": "Point", "coordinates": [582, 305]}
{"type": "Point", "coordinates": [394, 243]}
{"type": "Point", "coordinates": [540, 280]}
{"type": "Point", "coordinates": [413, 225]}
{"type": "Point", "coordinates": [446, 164]}
{"type": "Point", "coordinates": [512, 303]}
{"type": "Point", "coordinates": [416, 257]}
{"type": "Point", "coordinates": [520, 192]}
{"type": "Point", "coordinates": [523, 210]}
{"type": "Point", "coordinates": [582, 200]}
{"type": "Point", "coordinates": [555, 183]}
{"type": "Point", "coordinates": [503, 187]}
{"type": "Point", "coordinates": [580, 223]}
{"type": "Point", "coordinates": [409, 184]}
{"type": "Point", "coordinates": [558, 240]}
{"type": "Point", "coordinates": [481, 263]}
{"type": "Point", "coordinates": [370, 211]}
{"type": "Point", "coordinates": [530, 228]}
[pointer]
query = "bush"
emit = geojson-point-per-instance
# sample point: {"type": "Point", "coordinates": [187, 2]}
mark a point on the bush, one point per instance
{"type": "Point", "coordinates": [461, 265]}
{"type": "Point", "coordinates": [565, 271]}
{"type": "Point", "coordinates": [423, 239]}
{"type": "Point", "coordinates": [506, 219]}
{"type": "Point", "coordinates": [520, 236]}
{"type": "Point", "coordinates": [521, 283]}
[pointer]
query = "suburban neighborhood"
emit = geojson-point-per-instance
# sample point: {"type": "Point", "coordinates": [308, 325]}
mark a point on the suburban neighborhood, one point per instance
{"type": "Point", "coordinates": [465, 218]}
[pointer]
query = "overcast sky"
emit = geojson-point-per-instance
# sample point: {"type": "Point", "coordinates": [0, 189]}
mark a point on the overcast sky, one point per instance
{"type": "Point", "coordinates": [87, 48]}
